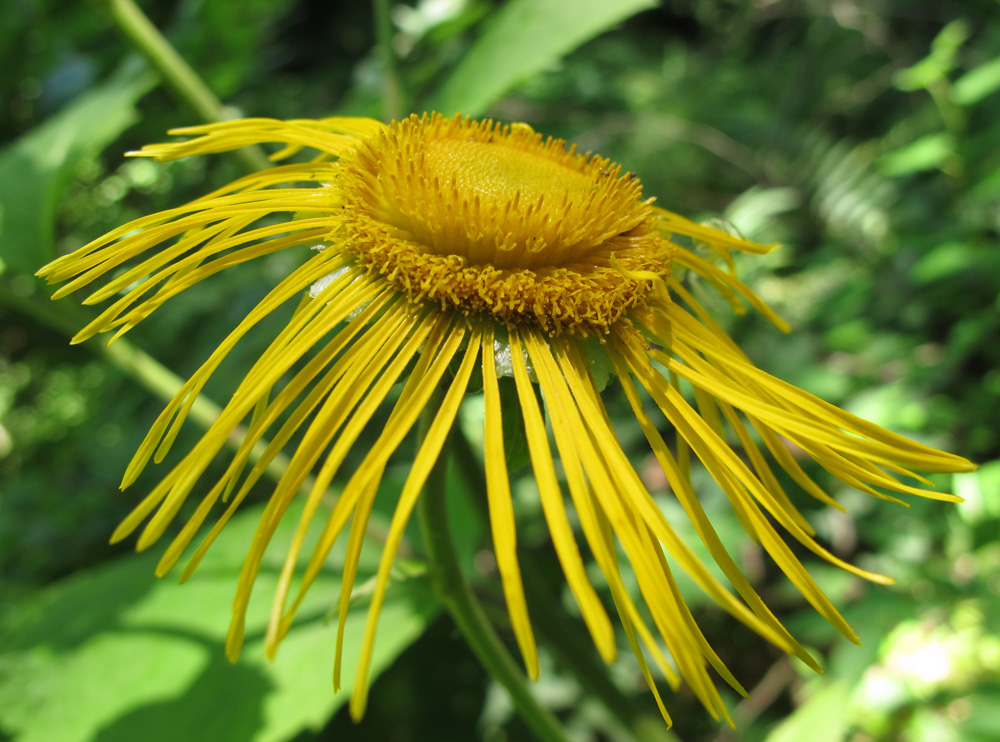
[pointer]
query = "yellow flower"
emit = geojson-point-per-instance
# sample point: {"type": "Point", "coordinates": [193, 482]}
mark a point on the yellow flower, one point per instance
{"type": "Point", "coordinates": [447, 245]}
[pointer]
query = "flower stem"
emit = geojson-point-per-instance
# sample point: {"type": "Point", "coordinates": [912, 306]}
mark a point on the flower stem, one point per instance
{"type": "Point", "coordinates": [567, 641]}
{"type": "Point", "coordinates": [456, 594]}
{"type": "Point", "coordinates": [392, 89]}
{"type": "Point", "coordinates": [129, 360]}
{"type": "Point", "coordinates": [177, 73]}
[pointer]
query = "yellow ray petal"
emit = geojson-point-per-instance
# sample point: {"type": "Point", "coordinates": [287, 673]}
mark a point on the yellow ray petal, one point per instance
{"type": "Point", "coordinates": [427, 455]}
{"type": "Point", "coordinates": [501, 510]}
{"type": "Point", "coordinates": [681, 487]}
{"type": "Point", "coordinates": [332, 136]}
{"type": "Point", "coordinates": [724, 281]}
{"type": "Point", "coordinates": [724, 466]}
{"type": "Point", "coordinates": [355, 540]}
{"type": "Point", "coordinates": [638, 501]}
{"type": "Point", "coordinates": [677, 224]}
{"type": "Point", "coordinates": [378, 345]}
{"type": "Point", "coordinates": [892, 447]}
{"type": "Point", "coordinates": [441, 345]}
{"type": "Point", "coordinates": [623, 604]}
{"type": "Point", "coordinates": [187, 394]}
{"type": "Point", "coordinates": [554, 509]}
{"type": "Point", "coordinates": [174, 488]}
{"type": "Point", "coordinates": [645, 555]}
{"type": "Point", "coordinates": [259, 426]}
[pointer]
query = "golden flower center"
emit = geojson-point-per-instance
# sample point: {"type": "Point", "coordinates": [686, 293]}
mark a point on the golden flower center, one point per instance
{"type": "Point", "coordinates": [493, 219]}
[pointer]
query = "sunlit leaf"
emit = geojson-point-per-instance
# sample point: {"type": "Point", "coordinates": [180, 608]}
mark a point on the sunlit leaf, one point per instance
{"type": "Point", "coordinates": [943, 261]}
{"type": "Point", "coordinates": [114, 654]}
{"type": "Point", "coordinates": [929, 152]}
{"type": "Point", "coordinates": [977, 83]}
{"type": "Point", "coordinates": [933, 68]}
{"type": "Point", "coordinates": [820, 719]}
{"type": "Point", "coordinates": [981, 491]}
{"type": "Point", "coordinates": [36, 168]}
{"type": "Point", "coordinates": [521, 39]}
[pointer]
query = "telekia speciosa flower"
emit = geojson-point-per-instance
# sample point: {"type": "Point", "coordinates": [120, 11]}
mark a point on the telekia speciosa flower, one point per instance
{"type": "Point", "coordinates": [440, 257]}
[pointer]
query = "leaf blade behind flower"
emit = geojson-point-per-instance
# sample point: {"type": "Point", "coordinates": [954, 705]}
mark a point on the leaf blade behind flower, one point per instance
{"type": "Point", "coordinates": [520, 40]}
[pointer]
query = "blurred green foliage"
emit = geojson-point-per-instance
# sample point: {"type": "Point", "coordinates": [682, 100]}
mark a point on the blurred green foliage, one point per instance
{"type": "Point", "coordinates": [863, 135]}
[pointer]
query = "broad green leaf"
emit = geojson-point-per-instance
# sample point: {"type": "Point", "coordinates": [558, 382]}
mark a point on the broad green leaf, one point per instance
{"type": "Point", "coordinates": [114, 654]}
{"type": "Point", "coordinates": [929, 152]}
{"type": "Point", "coordinates": [945, 260]}
{"type": "Point", "coordinates": [521, 39]}
{"type": "Point", "coordinates": [983, 721]}
{"type": "Point", "coordinates": [36, 168]}
{"type": "Point", "coordinates": [822, 718]}
{"type": "Point", "coordinates": [981, 493]}
{"type": "Point", "coordinates": [977, 83]}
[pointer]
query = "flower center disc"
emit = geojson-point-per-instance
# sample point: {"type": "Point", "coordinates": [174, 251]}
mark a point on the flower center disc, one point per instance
{"type": "Point", "coordinates": [490, 218]}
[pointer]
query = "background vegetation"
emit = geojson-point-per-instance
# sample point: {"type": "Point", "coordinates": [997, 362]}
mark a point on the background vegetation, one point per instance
{"type": "Point", "coordinates": [864, 135]}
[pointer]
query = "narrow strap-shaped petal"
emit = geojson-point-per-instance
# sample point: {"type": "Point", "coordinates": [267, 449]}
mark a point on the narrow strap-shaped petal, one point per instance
{"type": "Point", "coordinates": [638, 501]}
{"type": "Point", "coordinates": [175, 487]}
{"type": "Point", "coordinates": [355, 541]}
{"type": "Point", "coordinates": [165, 263]}
{"type": "Point", "coordinates": [502, 511]}
{"type": "Point", "coordinates": [352, 393]}
{"type": "Point", "coordinates": [645, 555]}
{"type": "Point", "coordinates": [554, 509]}
{"type": "Point", "coordinates": [181, 403]}
{"type": "Point", "coordinates": [881, 444]}
{"type": "Point", "coordinates": [439, 348]}
{"type": "Point", "coordinates": [263, 420]}
{"type": "Point", "coordinates": [170, 493]}
{"type": "Point", "coordinates": [73, 263]}
{"type": "Point", "coordinates": [423, 462]}
{"type": "Point", "coordinates": [677, 224]}
{"type": "Point", "coordinates": [622, 604]}
{"type": "Point", "coordinates": [725, 283]}
{"type": "Point", "coordinates": [723, 464]}
{"type": "Point", "coordinates": [256, 205]}
{"type": "Point", "coordinates": [578, 452]}
{"type": "Point", "coordinates": [764, 474]}
{"type": "Point", "coordinates": [681, 487]}
{"type": "Point", "coordinates": [334, 136]}
{"type": "Point", "coordinates": [374, 304]}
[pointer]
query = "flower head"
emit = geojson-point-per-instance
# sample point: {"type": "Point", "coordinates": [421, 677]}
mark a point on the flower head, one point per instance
{"type": "Point", "coordinates": [451, 246]}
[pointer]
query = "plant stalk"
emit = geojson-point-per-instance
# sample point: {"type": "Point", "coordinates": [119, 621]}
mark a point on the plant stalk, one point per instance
{"type": "Point", "coordinates": [132, 362]}
{"type": "Point", "coordinates": [177, 74]}
{"type": "Point", "coordinates": [455, 593]}
{"type": "Point", "coordinates": [392, 88]}
{"type": "Point", "coordinates": [567, 640]}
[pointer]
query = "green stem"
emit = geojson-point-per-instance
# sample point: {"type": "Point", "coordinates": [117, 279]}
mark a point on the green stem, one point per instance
{"type": "Point", "coordinates": [177, 73]}
{"type": "Point", "coordinates": [134, 363]}
{"type": "Point", "coordinates": [392, 89]}
{"type": "Point", "coordinates": [567, 640]}
{"type": "Point", "coordinates": [457, 596]}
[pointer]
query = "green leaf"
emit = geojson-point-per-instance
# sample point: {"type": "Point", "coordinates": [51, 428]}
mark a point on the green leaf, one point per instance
{"type": "Point", "coordinates": [981, 493]}
{"type": "Point", "coordinates": [521, 39]}
{"type": "Point", "coordinates": [946, 260]}
{"type": "Point", "coordinates": [36, 168]}
{"type": "Point", "coordinates": [821, 718]}
{"type": "Point", "coordinates": [113, 654]}
{"type": "Point", "coordinates": [977, 83]}
{"type": "Point", "coordinates": [936, 65]}
{"type": "Point", "coordinates": [929, 152]}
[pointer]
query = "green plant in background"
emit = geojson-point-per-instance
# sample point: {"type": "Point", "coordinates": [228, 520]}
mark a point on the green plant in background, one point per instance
{"type": "Point", "coordinates": [847, 197]}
